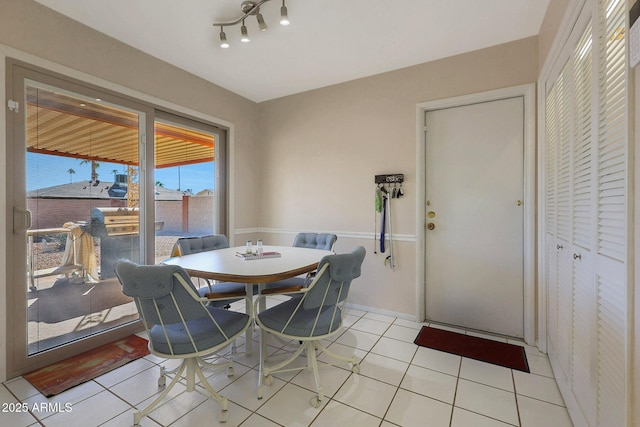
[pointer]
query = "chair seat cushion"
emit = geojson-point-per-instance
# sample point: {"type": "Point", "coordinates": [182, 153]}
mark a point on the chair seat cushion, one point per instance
{"type": "Point", "coordinates": [286, 283]}
{"type": "Point", "coordinates": [222, 287]}
{"type": "Point", "coordinates": [204, 332]}
{"type": "Point", "coordinates": [302, 324]}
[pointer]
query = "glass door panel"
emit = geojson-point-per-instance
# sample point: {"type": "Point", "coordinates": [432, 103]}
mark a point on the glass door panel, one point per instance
{"type": "Point", "coordinates": [82, 194]}
{"type": "Point", "coordinates": [185, 190]}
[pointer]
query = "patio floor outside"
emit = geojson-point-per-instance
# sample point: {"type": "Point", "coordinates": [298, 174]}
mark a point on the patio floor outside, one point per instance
{"type": "Point", "coordinates": [64, 309]}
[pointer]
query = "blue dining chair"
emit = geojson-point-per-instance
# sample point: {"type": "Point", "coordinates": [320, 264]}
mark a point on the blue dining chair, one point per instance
{"type": "Point", "coordinates": [193, 245]}
{"type": "Point", "coordinates": [313, 314]}
{"type": "Point", "coordinates": [324, 241]}
{"type": "Point", "coordinates": [180, 325]}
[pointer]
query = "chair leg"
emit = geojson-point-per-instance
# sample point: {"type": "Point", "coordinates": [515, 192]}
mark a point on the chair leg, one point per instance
{"type": "Point", "coordinates": [228, 364]}
{"type": "Point", "coordinates": [164, 372]}
{"type": "Point", "coordinates": [188, 369]}
{"type": "Point", "coordinates": [312, 364]}
{"type": "Point", "coordinates": [263, 358]}
{"type": "Point", "coordinates": [355, 365]}
{"type": "Point", "coordinates": [264, 376]}
{"type": "Point", "coordinates": [224, 414]}
{"type": "Point", "coordinates": [138, 416]}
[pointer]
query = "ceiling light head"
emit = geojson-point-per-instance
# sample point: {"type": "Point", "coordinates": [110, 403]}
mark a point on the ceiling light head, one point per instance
{"type": "Point", "coordinates": [261, 24]}
{"type": "Point", "coordinates": [223, 39]}
{"type": "Point", "coordinates": [245, 35]}
{"type": "Point", "coordinates": [284, 16]}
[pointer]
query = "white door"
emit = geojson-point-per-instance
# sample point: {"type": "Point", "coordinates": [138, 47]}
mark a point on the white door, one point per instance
{"type": "Point", "coordinates": [474, 195]}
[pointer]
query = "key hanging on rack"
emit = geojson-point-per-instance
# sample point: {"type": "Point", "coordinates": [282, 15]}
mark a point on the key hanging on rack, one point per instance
{"type": "Point", "coordinates": [388, 187]}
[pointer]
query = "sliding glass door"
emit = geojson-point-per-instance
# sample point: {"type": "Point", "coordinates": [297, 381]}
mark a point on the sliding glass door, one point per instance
{"type": "Point", "coordinates": [95, 177]}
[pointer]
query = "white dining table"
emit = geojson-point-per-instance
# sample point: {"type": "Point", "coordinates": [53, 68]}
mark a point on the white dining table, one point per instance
{"type": "Point", "coordinates": [228, 266]}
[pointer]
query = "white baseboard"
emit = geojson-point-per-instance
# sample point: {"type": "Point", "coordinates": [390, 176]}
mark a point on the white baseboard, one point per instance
{"type": "Point", "coordinates": [389, 313]}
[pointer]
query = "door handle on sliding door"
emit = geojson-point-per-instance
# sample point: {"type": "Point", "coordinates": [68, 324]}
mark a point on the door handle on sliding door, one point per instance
{"type": "Point", "coordinates": [21, 219]}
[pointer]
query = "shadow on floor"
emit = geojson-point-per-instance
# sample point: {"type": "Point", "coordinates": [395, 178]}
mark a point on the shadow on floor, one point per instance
{"type": "Point", "coordinates": [68, 299]}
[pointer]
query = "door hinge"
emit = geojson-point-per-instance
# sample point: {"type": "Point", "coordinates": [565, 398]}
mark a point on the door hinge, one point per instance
{"type": "Point", "coordinates": [13, 106]}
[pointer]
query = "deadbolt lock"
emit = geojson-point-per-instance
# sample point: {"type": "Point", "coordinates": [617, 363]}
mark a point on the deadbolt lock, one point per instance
{"type": "Point", "coordinates": [431, 226]}
{"type": "Point", "coordinates": [431, 214]}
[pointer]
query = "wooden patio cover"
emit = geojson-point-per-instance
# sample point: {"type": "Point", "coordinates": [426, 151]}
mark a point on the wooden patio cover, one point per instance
{"type": "Point", "coordinates": [63, 125]}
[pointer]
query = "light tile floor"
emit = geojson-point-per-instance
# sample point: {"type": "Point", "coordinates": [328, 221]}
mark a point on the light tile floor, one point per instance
{"type": "Point", "coordinates": [399, 384]}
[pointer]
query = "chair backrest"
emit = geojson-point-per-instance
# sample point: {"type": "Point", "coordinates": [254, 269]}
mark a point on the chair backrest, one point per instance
{"type": "Point", "coordinates": [176, 319]}
{"type": "Point", "coordinates": [193, 245]}
{"type": "Point", "coordinates": [158, 293]}
{"type": "Point", "coordinates": [331, 284]}
{"type": "Point", "coordinates": [315, 241]}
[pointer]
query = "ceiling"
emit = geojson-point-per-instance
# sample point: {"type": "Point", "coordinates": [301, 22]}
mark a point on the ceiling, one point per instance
{"type": "Point", "coordinates": [328, 41]}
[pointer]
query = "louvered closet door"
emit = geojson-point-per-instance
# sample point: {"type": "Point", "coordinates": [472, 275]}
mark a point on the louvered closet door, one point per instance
{"type": "Point", "coordinates": [564, 220]}
{"type": "Point", "coordinates": [552, 245]}
{"type": "Point", "coordinates": [612, 290]}
{"type": "Point", "coordinates": [559, 221]}
{"type": "Point", "coordinates": [585, 214]}
{"type": "Point", "coordinates": [583, 230]}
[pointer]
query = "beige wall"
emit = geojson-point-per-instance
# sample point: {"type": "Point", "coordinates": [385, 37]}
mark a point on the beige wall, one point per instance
{"type": "Point", "coordinates": [549, 28]}
{"type": "Point", "coordinates": [321, 150]}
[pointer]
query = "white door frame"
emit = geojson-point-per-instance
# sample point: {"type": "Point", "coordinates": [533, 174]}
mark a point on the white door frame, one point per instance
{"type": "Point", "coordinates": [528, 93]}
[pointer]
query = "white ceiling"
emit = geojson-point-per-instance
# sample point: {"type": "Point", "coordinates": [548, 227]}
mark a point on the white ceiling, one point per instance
{"type": "Point", "coordinates": [328, 41]}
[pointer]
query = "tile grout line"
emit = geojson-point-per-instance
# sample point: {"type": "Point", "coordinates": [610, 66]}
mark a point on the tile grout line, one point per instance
{"type": "Point", "coordinates": [515, 397]}
{"type": "Point", "coordinates": [455, 393]}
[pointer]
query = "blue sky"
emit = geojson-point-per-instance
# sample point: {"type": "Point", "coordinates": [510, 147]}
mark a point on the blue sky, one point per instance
{"type": "Point", "coordinates": [47, 171]}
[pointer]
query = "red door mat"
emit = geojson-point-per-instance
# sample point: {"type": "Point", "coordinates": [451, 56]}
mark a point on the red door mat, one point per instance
{"type": "Point", "coordinates": [486, 350]}
{"type": "Point", "coordinates": [61, 376]}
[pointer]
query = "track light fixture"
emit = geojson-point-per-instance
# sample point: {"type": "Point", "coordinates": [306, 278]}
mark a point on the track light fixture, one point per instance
{"type": "Point", "coordinates": [250, 8]}
{"type": "Point", "coordinates": [223, 39]}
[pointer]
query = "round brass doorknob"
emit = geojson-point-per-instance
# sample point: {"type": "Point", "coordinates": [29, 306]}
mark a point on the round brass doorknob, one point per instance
{"type": "Point", "coordinates": [431, 226]}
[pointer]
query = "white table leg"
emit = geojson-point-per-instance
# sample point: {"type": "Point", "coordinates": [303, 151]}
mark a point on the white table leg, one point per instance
{"type": "Point", "coordinates": [248, 346]}
{"type": "Point", "coordinates": [262, 306]}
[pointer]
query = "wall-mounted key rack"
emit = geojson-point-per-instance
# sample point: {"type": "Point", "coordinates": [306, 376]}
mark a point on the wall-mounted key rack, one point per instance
{"type": "Point", "coordinates": [396, 178]}
{"type": "Point", "coordinates": [388, 186]}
